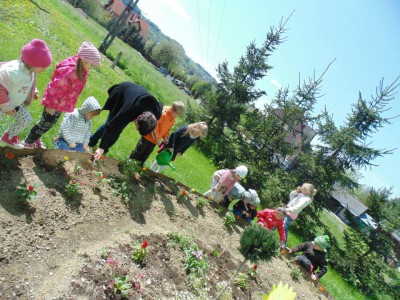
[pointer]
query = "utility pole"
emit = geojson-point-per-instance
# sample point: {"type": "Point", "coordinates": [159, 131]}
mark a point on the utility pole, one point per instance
{"type": "Point", "coordinates": [116, 28]}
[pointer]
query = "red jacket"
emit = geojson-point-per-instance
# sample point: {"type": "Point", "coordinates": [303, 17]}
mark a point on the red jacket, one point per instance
{"type": "Point", "coordinates": [267, 218]}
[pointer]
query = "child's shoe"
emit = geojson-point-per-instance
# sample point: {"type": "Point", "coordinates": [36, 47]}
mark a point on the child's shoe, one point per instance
{"type": "Point", "coordinates": [13, 142]}
{"type": "Point", "coordinates": [35, 145]}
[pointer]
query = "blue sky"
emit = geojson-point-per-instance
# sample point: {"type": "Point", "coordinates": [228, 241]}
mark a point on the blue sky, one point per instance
{"type": "Point", "coordinates": [363, 36]}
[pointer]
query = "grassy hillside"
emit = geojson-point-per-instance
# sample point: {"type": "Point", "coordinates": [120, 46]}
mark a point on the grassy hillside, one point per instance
{"type": "Point", "coordinates": [64, 29]}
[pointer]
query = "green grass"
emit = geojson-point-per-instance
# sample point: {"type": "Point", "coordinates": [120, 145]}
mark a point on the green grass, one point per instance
{"type": "Point", "coordinates": [335, 225]}
{"type": "Point", "coordinates": [64, 29]}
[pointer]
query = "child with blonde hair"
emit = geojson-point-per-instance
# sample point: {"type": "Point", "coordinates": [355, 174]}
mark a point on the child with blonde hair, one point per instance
{"type": "Point", "coordinates": [68, 81]}
{"type": "Point", "coordinates": [300, 198]}
{"type": "Point", "coordinates": [223, 182]}
{"type": "Point", "coordinates": [160, 133]}
{"type": "Point", "coordinates": [180, 140]}
{"type": "Point", "coordinates": [18, 88]}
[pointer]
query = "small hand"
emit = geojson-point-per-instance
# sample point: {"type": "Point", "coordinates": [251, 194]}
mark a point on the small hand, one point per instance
{"type": "Point", "coordinates": [178, 154]}
{"type": "Point", "coordinates": [72, 145]}
{"type": "Point", "coordinates": [50, 111]}
{"type": "Point", "coordinates": [98, 154]}
{"type": "Point", "coordinates": [11, 112]}
{"type": "Point", "coordinates": [170, 150]}
{"type": "Point", "coordinates": [289, 250]}
{"type": "Point", "coordinates": [36, 95]}
{"type": "Point", "coordinates": [165, 141]}
{"type": "Point", "coordinates": [313, 277]}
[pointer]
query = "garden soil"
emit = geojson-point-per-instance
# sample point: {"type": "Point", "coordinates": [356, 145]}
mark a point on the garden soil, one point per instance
{"type": "Point", "coordinates": [59, 247]}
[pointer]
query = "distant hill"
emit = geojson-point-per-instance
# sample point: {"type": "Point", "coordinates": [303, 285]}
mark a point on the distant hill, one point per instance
{"type": "Point", "coordinates": [190, 67]}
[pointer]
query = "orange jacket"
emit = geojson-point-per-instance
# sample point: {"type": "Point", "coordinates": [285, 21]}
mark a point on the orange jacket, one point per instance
{"type": "Point", "coordinates": [164, 125]}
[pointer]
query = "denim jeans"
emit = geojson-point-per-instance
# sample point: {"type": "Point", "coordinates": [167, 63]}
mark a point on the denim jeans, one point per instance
{"type": "Point", "coordinates": [288, 220]}
{"type": "Point", "coordinates": [63, 145]}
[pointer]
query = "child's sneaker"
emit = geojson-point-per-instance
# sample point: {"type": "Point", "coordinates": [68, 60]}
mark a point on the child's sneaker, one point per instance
{"type": "Point", "coordinates": [13, 142]}
{"type": "Point", "coordinates": [35, 145]}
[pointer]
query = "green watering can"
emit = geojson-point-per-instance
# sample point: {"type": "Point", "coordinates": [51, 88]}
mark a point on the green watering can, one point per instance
{"type": "Point", "coordinates": [164, 157]}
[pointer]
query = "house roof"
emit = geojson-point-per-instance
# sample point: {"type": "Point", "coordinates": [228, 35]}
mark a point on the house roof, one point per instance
{"type": "Point", "coordinates": [349, 201]}
{"type": "Point", "coordinates": [369, 221]}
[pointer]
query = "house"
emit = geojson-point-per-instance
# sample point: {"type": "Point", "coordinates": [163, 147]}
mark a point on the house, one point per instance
{"type": "Point", "coordinates": [341, 201]}
{"type": "Point", "coordinates": [116, 7]}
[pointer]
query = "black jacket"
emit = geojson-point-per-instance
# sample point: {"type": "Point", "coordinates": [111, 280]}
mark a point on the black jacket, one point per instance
{"type": "Point", "coordinates": [179, 142]}
{"type": "Point", "coordinates": [126, 101]}
{"type": "Point", "coordinates": [316, 257]}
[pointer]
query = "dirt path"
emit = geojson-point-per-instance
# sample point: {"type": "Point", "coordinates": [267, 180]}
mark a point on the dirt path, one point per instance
{"type": "Point", "coordinates": [56, 248]}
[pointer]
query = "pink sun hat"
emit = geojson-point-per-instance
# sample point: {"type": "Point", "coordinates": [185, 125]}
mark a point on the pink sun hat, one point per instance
{"type": "Point", "coordinates": [89, 53]}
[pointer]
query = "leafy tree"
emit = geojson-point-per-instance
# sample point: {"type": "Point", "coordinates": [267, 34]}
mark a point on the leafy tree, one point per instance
{"type": "Point", "coordinates": [200, 89]}
{"type": "Point", "coordinates": [167, 54]}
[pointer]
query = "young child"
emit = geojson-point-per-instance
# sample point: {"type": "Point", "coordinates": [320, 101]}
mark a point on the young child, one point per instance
{"type": "Point", "coordinates": [246, 208]}
{"type": "Point", "coordinates": [67, 83]}
{"type": "Point", "coordinates": [223, 182]}
{"type": "Point", "coordinates": [314, 256]}
{"type": "Point", "coordinates": [300, 198]}
{"type": "Point", "coordinates": [18, 88]}
{"type": "Point", "coordinates": [76, 127]}
{"type": "Point", "coordinates": [160, 134]}
{"type": "Point", "coordinates": [273, 218]}
{"type": "Point", "coordinates": [180, 140]}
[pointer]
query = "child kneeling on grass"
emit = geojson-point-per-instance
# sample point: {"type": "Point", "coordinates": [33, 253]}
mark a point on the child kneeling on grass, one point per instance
{"type": "Point", "coordinates": [76, 127]}
{"type": "Point", "coordinates": [314, 256]}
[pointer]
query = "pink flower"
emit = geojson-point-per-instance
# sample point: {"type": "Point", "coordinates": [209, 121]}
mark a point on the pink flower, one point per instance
{"type": "Point", "coordinates": [112, 261]}
{"type": "Point", "coordinates": [145, 244]}
{"type": "Point", "coordinates": [137, 286]}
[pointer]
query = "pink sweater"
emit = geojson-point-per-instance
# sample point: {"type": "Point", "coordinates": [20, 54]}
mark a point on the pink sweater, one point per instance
{"type": "Point", "coordinates": [65, 87]}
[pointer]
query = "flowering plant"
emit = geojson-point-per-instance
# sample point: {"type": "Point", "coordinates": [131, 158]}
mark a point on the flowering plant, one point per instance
{"type": "Point", "coordinates": [195, 261]}
{"type": "Point", "coordinates": [183, 194]}
{"type": "Point", "coordinates": [72, 188]}
{"type": "Point", "coordinates": [27, 191]}
{"type": "Point", "coordinates": [140, 251]}
{"type": "Point", "coordinates": [252, 271]}
{"type": "Point", "coordinates": [62, 161]}
{"type": "Point", "coordinates": [102, 179]}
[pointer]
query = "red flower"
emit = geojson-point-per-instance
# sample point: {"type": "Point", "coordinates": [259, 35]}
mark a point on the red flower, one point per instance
{"type": "Point", "coordinates": [255, 267]}
{"type": "Point", "coordinates": [102, 157]}
{"type": "Point", "coordinates": [145, 244]}
{"type": "Point", "coordinates": [104, 176]}
{"type": "Point", "coordinates": [10, 155]}
{"type": "Point", "coordinates": [183, 193]}
{"type": "Point", "coordinates": [31, 188]}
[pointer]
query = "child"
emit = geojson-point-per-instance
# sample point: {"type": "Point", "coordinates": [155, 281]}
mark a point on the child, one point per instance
{"type": "Point", "coordinates": [181, 139]}
{"type": "Point", "coordinates": [18, 87]}
{"type": "Point", "coordinates": [67, 83]}
{"type": "Point", "coordinates": [160, 134]}
{"type": "Point", "coordinates": [246, 208]}
{"type": "Point", "coordinates": [223, 182]}
{"type": "Point", "coordinates": [314, 256]}
{"type": "Point", "coordinates": [300, 198]}
{"type": "Point", "coordinates": [271, 219]}
{"type": "Point", "coordinates": [76, 127]}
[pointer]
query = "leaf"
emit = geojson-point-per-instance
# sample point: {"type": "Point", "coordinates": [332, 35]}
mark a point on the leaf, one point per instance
{"type": "Point", "coordinates": [233, 202]}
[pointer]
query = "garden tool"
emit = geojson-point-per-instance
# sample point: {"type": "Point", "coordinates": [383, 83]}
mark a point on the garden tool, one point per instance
{"type": "Point", "coordinates": [164, 157]}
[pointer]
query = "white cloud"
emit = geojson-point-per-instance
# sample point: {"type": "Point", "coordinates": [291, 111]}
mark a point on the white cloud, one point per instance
{"type": "Point", "coordinates": [276, 83]}
{"type": "Point", "coordinates": [177, 8]}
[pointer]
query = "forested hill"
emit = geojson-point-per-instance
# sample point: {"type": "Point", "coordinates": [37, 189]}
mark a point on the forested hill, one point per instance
{"type": "Point", "coordinates": [190, 67]}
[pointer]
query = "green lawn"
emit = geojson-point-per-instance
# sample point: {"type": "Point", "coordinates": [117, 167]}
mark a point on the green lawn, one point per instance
{"type": "Point", "coordinates": [64, 29]}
